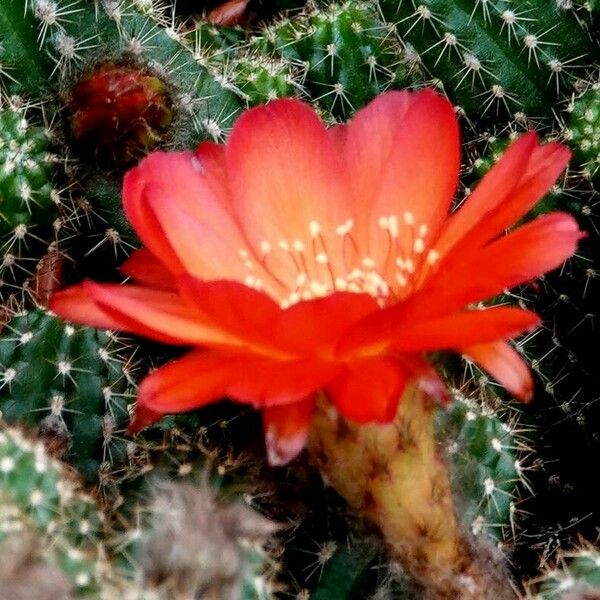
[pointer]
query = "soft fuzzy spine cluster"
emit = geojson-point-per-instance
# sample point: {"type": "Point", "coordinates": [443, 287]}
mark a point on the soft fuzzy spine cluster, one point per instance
{"type": "Point", "coordinates": [186, 527]}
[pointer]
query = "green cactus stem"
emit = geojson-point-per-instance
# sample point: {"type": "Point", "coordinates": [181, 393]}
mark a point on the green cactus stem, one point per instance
{"type": "Point", "coordinates": [40, 498]}
{"type": "Point", "coordinates": [80, 392]}
{"type": "Point", "coordinates": [347, 53]}
{"type": "Point", "coordinates": [496, 58]}
{"type": "Point", "coordinates": [29, 200]}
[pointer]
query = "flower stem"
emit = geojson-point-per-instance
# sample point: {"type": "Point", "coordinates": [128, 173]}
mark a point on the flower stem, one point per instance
{"type": "Point", "coordinates": [394, 476]}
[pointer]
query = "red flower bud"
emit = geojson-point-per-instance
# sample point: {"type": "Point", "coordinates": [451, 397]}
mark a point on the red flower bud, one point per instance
{"type": "Point", "coordinates": [119, 113]}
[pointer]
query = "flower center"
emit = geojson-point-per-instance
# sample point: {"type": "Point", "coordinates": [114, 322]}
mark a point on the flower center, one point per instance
{"type": "Point", "coordinates": [335, 261]}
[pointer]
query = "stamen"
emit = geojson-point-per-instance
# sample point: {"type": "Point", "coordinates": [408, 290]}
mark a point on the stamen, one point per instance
{"type": "Point", "coordinates": [315, 229]}
{"type": "Point", "coordinates": [401, 279]}
{"type": "Point", "coordinates": [393, 226]}
{"type": "Point", "coordinates": [432, 257]}
{"type": "Point", "coordinates": [301, 279]}
{"type": "Point", "coordinates": [345, 228]}
{"type": "Point", "coordinates": [341, 284]}
{"type": "Point", "coordinates": [368, 263]}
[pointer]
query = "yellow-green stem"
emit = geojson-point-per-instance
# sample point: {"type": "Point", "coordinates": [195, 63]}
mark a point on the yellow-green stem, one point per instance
{"type": "Point", "coordinates": [393, 476]}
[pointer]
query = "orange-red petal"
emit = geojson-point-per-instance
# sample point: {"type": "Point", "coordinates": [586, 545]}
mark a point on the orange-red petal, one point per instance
{"type": "Point", "coordinates": [381, 332]}
{"type": "Point", "coordinates": [313, 327]}
{"type": "Point", "coordinates": [368, 390]}
{"type": "Point", "coordinates": [285, 173]}
{"type": "Point", "coordinates": [144, 268]}
{"type": "Point", "coordinates": [157, 314]}
{"type": "Point", "coordinates": [420, 175]}
{"type": "Point", "coordinates": [506, 365]}
{"type": "Point", "coordinates": [244, 313]}
{"type": "Point", "coordinates": [535, 248]}
{"type": "Point", "coordinates": [75, 304]}
{"type": "Point", "coordinates": [178, 205]}
{"type": "Point", "coordinates": [489, 193]}
{"type": "Point", "coordinates": [202, 377]}
{"type": "Point", "coordinates": [366, 144]}
{"type": "Point", "coordinates": [511, 189]}
{"type": "Point", "coordinates": [266, 382]}
{"type": "Point", "coordinates": [142, 220]}
{"type": "Point", "coordinates": [202, 235]}
{"type": "Point", "coordinates": [190, 382]}
{"type": "Point", "coordinates": [286, 429]}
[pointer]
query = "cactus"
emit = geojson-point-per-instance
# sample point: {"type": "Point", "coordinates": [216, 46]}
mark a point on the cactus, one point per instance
{"type": "Point", "coordinates": [100, 84]}
{"type": "Point", "coordinates": [582, 130]}
{"type": "Point", "coordinates": [483, 474]}
{"type": "Point", "coordinates": [487, 456]}
{"type": "Point", "coordinates": [576, 576]}
{"type": "Point", "coordinates": [75, 34]}
{"type": "Point", "coordinates": [346, 50]}
{"type": "Point", "coordinates": [261, 80]}
{"type": "Point", "coordinates": [41, 499]}
{"type": "Point", "coordinates": [496, 59]}
{"type": "Point", "coordinates": [29, 199]}
{"type": "Point", "coordinates": [563, 414]}
{"type": "Point", "coordinates": [188, 531]}
{"type": "Point", "coordinates": [79, 395]}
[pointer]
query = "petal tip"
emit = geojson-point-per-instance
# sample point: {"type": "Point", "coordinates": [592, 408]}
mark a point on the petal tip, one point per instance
{"type": "Point", "coordinates": [282, 450]}
{"type": "Point", "coordinates": [143, 417]}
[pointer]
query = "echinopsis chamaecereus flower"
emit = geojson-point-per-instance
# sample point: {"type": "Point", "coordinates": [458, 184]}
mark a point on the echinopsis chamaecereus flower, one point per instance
{"type": "Point", "coordinates": [296, 260]}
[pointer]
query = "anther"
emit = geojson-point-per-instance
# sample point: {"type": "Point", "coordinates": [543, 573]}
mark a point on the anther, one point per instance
{"type": "Point", "coordinates": [368, 263]}
{"type": "Point", "coordinates": [345, 228]}
{"type": "Point", "coordinates": [315, 229]}
{"type": "Point", "coordinates": [432, 257]}
{"type": "Point", "coordinates": [419, 246]}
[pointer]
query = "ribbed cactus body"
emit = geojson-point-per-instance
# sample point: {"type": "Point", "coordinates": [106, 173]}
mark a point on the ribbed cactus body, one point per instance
{"type": "Point", "coordinates": [69, 380]}
{"type": "Point", "coordinates": [347, 53]}
{"type": "Point", "coordinates": [486, 466]}
{"type": "Point", "coordinates": [29, 200]}
{"type": "Point", "coordinates": [39, 497]}
{"type": "Point", "coordinates": [261, 80]}
{"type": "Point", "coordinates": [582, 131]}
{"type": "Point", "coordinates": [496, 58]}
{"type": "Point", "coordinates": [576, 576]}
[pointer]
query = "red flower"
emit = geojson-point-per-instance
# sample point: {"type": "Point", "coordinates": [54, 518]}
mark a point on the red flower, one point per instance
{"type": "Point", "coordinates": [296, 259]}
